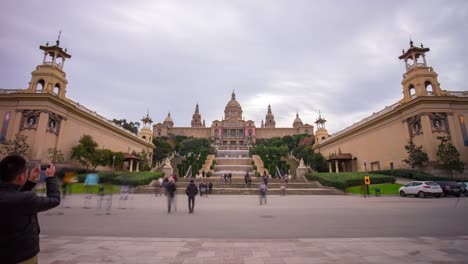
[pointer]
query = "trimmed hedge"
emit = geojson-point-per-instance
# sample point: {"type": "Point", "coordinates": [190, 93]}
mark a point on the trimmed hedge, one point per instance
{"type": "Point", "coordinates": [130, 178]}
{"type": "Point", "coordinates": [415, 175]}
{"type": "Point", "coordinates": [347, 179]}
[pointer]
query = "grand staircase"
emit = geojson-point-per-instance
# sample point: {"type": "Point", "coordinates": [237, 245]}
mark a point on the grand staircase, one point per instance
{"type": "Point", "coordinates": [237, 162]}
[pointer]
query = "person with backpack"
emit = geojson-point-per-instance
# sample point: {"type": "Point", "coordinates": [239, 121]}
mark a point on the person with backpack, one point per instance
{"type": "Point", "coordinates": [262, 193]}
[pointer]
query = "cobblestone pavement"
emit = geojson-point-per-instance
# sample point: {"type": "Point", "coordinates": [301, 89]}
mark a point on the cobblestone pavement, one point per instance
{"type": "Point", "coordinates": [90, 250]}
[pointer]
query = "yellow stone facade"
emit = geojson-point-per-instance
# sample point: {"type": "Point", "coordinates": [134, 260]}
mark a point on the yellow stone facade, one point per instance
{"type": "Point", "coordinates": [233, 130]}
{"type": "Point", "coordinates": [424, 113]}
{"type": "Point", "coordinates": [50, 120]}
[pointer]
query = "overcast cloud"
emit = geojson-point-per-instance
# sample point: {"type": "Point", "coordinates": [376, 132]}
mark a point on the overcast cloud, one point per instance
{"type": "Point", "coordinates": [339, 57]}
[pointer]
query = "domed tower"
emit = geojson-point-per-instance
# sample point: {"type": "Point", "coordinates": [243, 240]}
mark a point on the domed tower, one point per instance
{"type": "Point", "coordinates": [322, 132]}
{"type": "Point", "coordinates": [297, 122]}
{"type": "Point", "coordinates": [49, 77]}
{"type": "Point", "coordinates": [233, 110]}
{"type": "Point", "coordinates": [168, 121]}
{"type": "Point", "coordinates": [145, 131]}
{"type": "Point", "coordinates": [270, 119]}
{"type": "Point", "coordinates": [196, 118]}
{"type": "Point", "coordinates": [419, 78]}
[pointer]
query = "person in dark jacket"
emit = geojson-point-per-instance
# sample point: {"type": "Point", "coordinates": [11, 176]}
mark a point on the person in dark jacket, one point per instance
{"type": "Point", "coordinates": [170, 191]}
{"type": "Point", "coordinates": [191, 192]}
{"type": "Point", "coordinates": [19, 227]}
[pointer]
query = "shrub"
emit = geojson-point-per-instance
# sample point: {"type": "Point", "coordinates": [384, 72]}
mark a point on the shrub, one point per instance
{"type": "Point", "coordinates": [209, 174]}
{"type": "Point", "coordinates": [414, 175]}
{"type": "Point", "coordinates": [257, 174]}
{"type": "Point", "coordinates": [211, 167]}
{"type": "Point", "coordinates": [343, 180]}
{"type": "Point", "coordinates": [254, 167]}
{"type": "Point", "coordinates": [252, 162]}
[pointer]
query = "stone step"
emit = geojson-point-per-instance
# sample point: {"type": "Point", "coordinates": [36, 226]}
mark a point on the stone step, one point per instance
{"type": "Point", "coordinates": [254, 191]}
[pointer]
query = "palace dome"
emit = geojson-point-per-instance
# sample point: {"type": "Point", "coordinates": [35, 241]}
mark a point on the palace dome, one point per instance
{"type": "Point", "coordinates": [233, 110]}
{"type": "Point", "coordinates": [297, 122]}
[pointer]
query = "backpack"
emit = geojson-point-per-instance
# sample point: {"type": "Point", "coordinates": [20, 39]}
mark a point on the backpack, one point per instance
{"type": "Point", "coordinates": [262, 188]}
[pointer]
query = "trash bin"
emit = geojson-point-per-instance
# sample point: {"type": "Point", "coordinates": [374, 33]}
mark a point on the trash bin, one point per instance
{"type": "Point", "coordinates": [377, 192]}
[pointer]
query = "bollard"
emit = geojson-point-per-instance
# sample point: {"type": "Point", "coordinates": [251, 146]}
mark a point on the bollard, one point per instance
{"type": "Point", "coordinates": [377, 192]}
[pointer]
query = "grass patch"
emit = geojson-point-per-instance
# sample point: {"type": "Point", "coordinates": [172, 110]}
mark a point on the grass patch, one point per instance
{"type": "Point", "coordinates": [78, 188]}
{"type": "Point", "coordinates": [348, 179]}
{"type": "Point", "coordinates": [385, 188]}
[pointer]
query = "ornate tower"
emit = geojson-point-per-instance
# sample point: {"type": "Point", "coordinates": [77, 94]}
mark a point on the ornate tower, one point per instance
{"type": "Point", "coordinates": [322, 132]}
{"type": "Point", "coordinates": [270, 119]}
{"type": "Point", "coordinates": [419, 79]}
{"type": "Point", "coordinates": [196, 118]}
{"type": "Point", "coordinates": [49, 76]}
{"type": "Point", "coordinates": [145, 132]}
{"type": "Point", "coordinates": [297, 122]}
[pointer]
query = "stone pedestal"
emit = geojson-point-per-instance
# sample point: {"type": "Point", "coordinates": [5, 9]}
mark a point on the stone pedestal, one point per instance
{"type": "Point", "coordinates": [167, 168]}
{"type": "Point", "coordinates": [301, 172]}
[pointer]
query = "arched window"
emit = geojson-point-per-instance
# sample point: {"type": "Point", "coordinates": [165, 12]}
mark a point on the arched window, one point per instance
{"type": "Point", "coordinates": [323, 138]}
{"type": "Point", "coordinates": [306, 131]}
{"type": "Point", "coordinates": [144, 137]}
{"type": "Point", "coordinates": [57, 89]}
{"type": "Point", "coordinates": [429, 89]}
{"type": "Point", "coordinates": [40, 86]}
{"type": "Point", "coordinates": [159, 132]}
{"type": "Point", "coordinates": [412, 91]}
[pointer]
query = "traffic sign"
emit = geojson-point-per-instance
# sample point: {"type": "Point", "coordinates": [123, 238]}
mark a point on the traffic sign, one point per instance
{"type": "Point", "coordinates": [366, 180]}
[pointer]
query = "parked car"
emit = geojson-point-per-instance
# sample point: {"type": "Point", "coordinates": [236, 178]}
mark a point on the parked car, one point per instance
{"type": "Point", "coordinates": [421, 189]}
{"type": "Point", "coordinates": [464, 186]}
{"type": "Point", "coordinates": [451, 188]}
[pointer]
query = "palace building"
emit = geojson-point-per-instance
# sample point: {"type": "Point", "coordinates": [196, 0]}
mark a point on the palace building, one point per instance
{"type": "Point", "coordinates": [232, 130]}
{"type": "Point", "coordinates": [425, 113]}
{"type": "Point", "coordinates": [50, 120]}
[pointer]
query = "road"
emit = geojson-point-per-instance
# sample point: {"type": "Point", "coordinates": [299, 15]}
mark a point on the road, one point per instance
{"type": "Point", "coordinates": [226, 216]}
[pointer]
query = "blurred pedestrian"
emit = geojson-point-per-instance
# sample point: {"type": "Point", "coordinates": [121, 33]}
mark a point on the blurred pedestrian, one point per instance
{"type": "Point", "coordinates": [262, 193]}
{"type": "Point", "coordinates": [170, 192]}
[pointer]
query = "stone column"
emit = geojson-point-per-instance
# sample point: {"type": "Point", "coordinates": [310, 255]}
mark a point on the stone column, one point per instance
{"type": "Point", "coordinates": [138, 166]}
{"type": "Point", "coordinates": [330, 167]}
{"type": "Point", "coordinates": [337, 167]}
{"type": "Point", "coordinates": [131, 165]}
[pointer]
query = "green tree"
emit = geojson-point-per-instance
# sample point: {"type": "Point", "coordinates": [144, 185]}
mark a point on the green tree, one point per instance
{"type": "Point", "coordinates": [416, 155]}
{"type": "Point", "coordinates": [130, 126]}
{"type": "Point", "coordinates": [55, 155]}
{"type": "Point", "coordinates": [17, 146]}
{"type": "Point", "coordinates": [162, 149]}
{"type": "Point", "coordinates": [85, 151]}
{"type": "Point", "coordinates": [449, 156]}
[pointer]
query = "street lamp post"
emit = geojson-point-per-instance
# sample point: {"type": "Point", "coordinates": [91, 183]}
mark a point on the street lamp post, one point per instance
{"type": "Point", "coordinates": [365, 171]}
{"type": "Point", "coordinates": [113, 163]}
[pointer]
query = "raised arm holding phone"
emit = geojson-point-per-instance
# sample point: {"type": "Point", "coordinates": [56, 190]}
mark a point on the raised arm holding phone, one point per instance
{"type": "Point", "coordinates": [19, 227]}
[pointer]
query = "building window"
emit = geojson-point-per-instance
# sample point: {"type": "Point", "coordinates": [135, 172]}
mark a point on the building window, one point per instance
{"type": "Point", "coordinates": [241, 142]}
{"type": "Point", "coordinates": [391, 166]}
{"type": "Point", "coordinates": [57, 89]}
{"type": "Point", "coordinates": [224, 142]}
{"type": "Point", "coordinates": [241, 133]}
{"type": "Point", "coordinates": [429, 89]}
{"type": "Point", "coordinates": [233, 132]}
{"type": "Point", "coordinates": [412, 91]}
{"type": "Point", "coordinates": [375, 166]}
{"type": "Point", "coordinates": [224, 132]}
{"type": "Point", "coordinates": [232, 143]}
{"type": "Point", "coordinates": [40, 86]}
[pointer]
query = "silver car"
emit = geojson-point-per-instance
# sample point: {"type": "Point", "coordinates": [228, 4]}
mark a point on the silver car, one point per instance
{"type": "Point", "coordinates": [421, 189]}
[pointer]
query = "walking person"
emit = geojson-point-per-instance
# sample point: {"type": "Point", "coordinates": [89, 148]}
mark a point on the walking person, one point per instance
{"type": "Point", "coordinates": [210, 187]}
{"type": "Point", "coordinates": [19, 226]}
{"type": "Point", "coordinates": [230, 178]}
{"type": "Point", "coordinates": [170, 192]}
{"type": "Point", "coordinates": [191, 192]}
{"type": "Point", "coordinates": [262, 193]}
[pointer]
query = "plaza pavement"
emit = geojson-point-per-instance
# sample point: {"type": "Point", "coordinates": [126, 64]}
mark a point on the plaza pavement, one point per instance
{"type": "Point", "coordinates": [235, 229]}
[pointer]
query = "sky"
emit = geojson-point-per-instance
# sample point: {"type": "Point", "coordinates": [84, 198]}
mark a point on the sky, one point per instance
{"type": "Point", "coordinates": [336, 57]}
